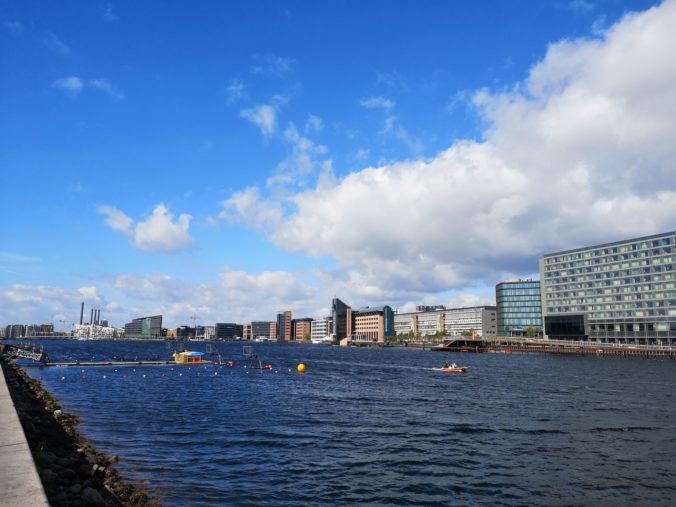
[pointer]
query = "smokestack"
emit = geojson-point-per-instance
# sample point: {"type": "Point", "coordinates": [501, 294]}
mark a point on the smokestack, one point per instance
{"type": "Point", "coordinates": [81, 312]}
{"type": "Point", "coordinates": [98, 316]}
{"type": "Point", "coordinates": [91, 316]}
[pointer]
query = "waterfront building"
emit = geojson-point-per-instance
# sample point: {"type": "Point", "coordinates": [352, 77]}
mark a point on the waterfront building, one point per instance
{"type": "Point", "coordinates": [144, 328]}
{"type": "Point", "coordinates": [263, 329]}
{"type": "Point", "coordinates": [372, 325]}
{"type": "Point", "coordinates": [451, 321]}
{"type": "Point", "coordinates": [620, 292]}
{"type": "Point", "coordinates": [519, 307]}
{"type": "Point", "coordinates": [186, 333]}
{"type": "Point", "coordinates": [342, 320]}
{"type": "Point", "coordinates": [226, 331]}
{"type": "Point", "coordinates": [209, 332]}
{"type": "Point", "coordinates": [284, 326]}
{"type": "Point", "coordinates": [96, 332]}
{"type": "Point", "coordinates": [35, 330]}
{"type": "Point", "coordinates": [481, 320]}
{"type": "Point", "coordinates": [247, 332]}
{"type": "Point", "coordinates": [320, 329]}
{"type": "Point", "coordinates": [15, 331]}
{"type": "Point", "coordinates": [301, 329]}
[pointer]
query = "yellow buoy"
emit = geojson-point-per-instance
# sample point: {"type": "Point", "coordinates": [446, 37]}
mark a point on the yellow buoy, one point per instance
{"type": "Point", "coordinates": [301, 368]}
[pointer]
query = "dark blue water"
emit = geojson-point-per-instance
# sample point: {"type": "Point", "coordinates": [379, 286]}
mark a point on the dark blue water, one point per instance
{"type": "Point", "coordinates": [379, 426]}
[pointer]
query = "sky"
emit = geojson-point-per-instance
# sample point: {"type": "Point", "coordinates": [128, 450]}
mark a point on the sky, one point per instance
{"type": "Point", "coordinates": [229, 160]}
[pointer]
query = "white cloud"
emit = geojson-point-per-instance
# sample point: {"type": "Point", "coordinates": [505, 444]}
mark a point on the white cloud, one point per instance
{"type": "Point", "coordinates": [263, 116]}
{"type": "Point", "coordinates": [273, 65]}
{"type": "Point", "coordinates": [107, 13]}
{"type": "Point", "coordinates": [235, 91]}
{"type": "Point", "coordinates": [377, 103]}
{"type": "Point", "coordinates": [88, 293]}
{"type": "Point", "coordinates": [105, 86]}
{"type": "Point", "coordinates": [247, 206]}
{"type": "Point", "coordinates": [581, 152]}
{"type": "Point", "coordinates": [313, 124]}
{"type": "Point", "coordinates": [70, 84]}
{"type": "Point", "coordinates": [56, 45]}
{"type": "Point", "coordinates": [158, 233]}
{"type": "Point", "coordinates": [117, 220]}
{"type": "Point", "coordinates": [74, 85]}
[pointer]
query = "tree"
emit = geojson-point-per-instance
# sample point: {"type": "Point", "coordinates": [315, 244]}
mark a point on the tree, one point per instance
{"type": "Point", "coordinates": [531, 332]}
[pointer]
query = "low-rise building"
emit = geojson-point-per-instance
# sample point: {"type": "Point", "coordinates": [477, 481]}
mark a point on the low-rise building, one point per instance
{"type": "Point", "coordinates": [480, 320]}
{"type": "Point", "coordinates": [320, 329]}
{"type": "Point", "coordinates": [144, 328]}
{"type": "Point", "coordinates": [301, 329]}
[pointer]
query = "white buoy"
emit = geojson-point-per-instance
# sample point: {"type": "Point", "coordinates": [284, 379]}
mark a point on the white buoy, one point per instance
{"type": "Point", "coordinates": [104, 376]}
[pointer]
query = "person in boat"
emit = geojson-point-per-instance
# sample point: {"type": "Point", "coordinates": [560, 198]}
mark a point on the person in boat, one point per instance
{"type": "Point", "coordinates": [454, 365]}
{"type": "Point", "coordinates": [446, 365]}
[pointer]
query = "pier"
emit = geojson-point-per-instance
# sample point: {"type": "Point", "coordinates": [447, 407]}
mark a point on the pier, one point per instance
{"type": "Point", "coordinates": [20, 483]}
{"type": "Point", "coordinates": [512, 346]}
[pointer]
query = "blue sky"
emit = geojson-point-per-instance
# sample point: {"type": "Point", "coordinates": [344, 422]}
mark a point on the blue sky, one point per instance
{"type": "Point", "coordinates": [228, 160]}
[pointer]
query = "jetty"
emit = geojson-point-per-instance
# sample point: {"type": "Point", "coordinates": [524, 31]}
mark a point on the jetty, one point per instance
{"type": "Point", "coordinates": [540, 346]}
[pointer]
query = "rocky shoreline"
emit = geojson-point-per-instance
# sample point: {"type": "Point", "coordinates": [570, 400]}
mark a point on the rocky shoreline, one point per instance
{"type": "Point", "coordinates": [72, 471]}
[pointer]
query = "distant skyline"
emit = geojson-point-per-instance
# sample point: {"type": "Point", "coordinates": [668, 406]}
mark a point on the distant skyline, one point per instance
{"type": "Point", "coordinates": [233, 159]}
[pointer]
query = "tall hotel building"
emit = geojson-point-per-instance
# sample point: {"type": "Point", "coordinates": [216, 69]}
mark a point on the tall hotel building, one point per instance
{"type": "Point", "coordinates": [620, 292]}
{"type": "Point", "coordinates": [519, 307]}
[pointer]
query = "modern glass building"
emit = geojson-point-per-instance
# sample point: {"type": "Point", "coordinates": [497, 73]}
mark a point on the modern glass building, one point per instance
{"type": "Point", "coordinates": [144, 328]}
{"type": "Point", "coordinates": [622, 292]}
{"type": "Point", "coordinates": [519, 307]}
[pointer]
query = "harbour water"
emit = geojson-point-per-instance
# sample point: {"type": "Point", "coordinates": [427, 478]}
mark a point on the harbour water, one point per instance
{"type": "Point", "coordinates": [377, 426]}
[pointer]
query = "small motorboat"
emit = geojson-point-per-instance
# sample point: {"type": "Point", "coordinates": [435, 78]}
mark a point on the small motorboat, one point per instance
{"type": "Point", "coordinates": [457, 369]}
{"type": "Point", "coordinates": [188, 357]}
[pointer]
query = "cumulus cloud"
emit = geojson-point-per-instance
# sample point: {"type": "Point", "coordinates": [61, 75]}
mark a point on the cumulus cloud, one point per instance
{"type": "Point", "coordinates": [263, 116]}
{"type": "Point", "coordinates": [158, 233]}
{"type": "Point", "coordinates": [248, 206]}
{"type": "Point", "coordinates": [581, 152]}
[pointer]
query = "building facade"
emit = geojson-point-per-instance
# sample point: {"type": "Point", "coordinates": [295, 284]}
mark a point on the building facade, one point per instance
{"type": "Point", "coordinates": [621, 292]}
{"type": "Point", "coordinates": [480, 320]}
{"type": "Point", "coordinates": [263, 329]}
{"type": "Point", "coordinates": [144, 328]}
{"type": "Point", "coordinates": [284, 326]}
{"type": "Point", "coordinates": [519, 308]}
{"type": "Point", "coordinates": [320, 329]}
{"type": "Point", "coordinates": [301, 329]}
{"type": "Point", "coordinates": [226, 331]}
{"type": "Point", "coordinates": [372, 325]}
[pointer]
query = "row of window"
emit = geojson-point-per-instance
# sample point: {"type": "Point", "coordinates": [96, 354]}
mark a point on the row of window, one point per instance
{"type": "Point", "coordinates": [549, 266]}
{"type": "Point", "coordinates": [660, 312]}
{"type": "Point", "coordinates": [627, 247]}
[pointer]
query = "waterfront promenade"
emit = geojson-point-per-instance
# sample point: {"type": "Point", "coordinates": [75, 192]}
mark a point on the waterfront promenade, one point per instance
{"type": "Point", "coordinates": [20, 483]}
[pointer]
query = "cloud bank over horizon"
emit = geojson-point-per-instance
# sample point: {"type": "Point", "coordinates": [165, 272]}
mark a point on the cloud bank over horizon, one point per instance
{"type": "Point", "coordinates": [580, 152]}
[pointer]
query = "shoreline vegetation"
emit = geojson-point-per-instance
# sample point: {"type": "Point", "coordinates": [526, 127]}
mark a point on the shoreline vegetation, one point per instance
{"type": "Point", "coordinates": [72, 471]}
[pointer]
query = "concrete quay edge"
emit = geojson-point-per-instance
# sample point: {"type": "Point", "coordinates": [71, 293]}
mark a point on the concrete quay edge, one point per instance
{"type": "Point", "coordinates": [20, 483]}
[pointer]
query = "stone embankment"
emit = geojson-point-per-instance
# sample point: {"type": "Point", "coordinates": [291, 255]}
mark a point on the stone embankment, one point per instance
{"type": "Point", "coordinates": [73, 473]}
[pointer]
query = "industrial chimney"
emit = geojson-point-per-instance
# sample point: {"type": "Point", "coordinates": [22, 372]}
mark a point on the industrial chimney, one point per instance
{"type": "Point", "coordinates": [81, 312]}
